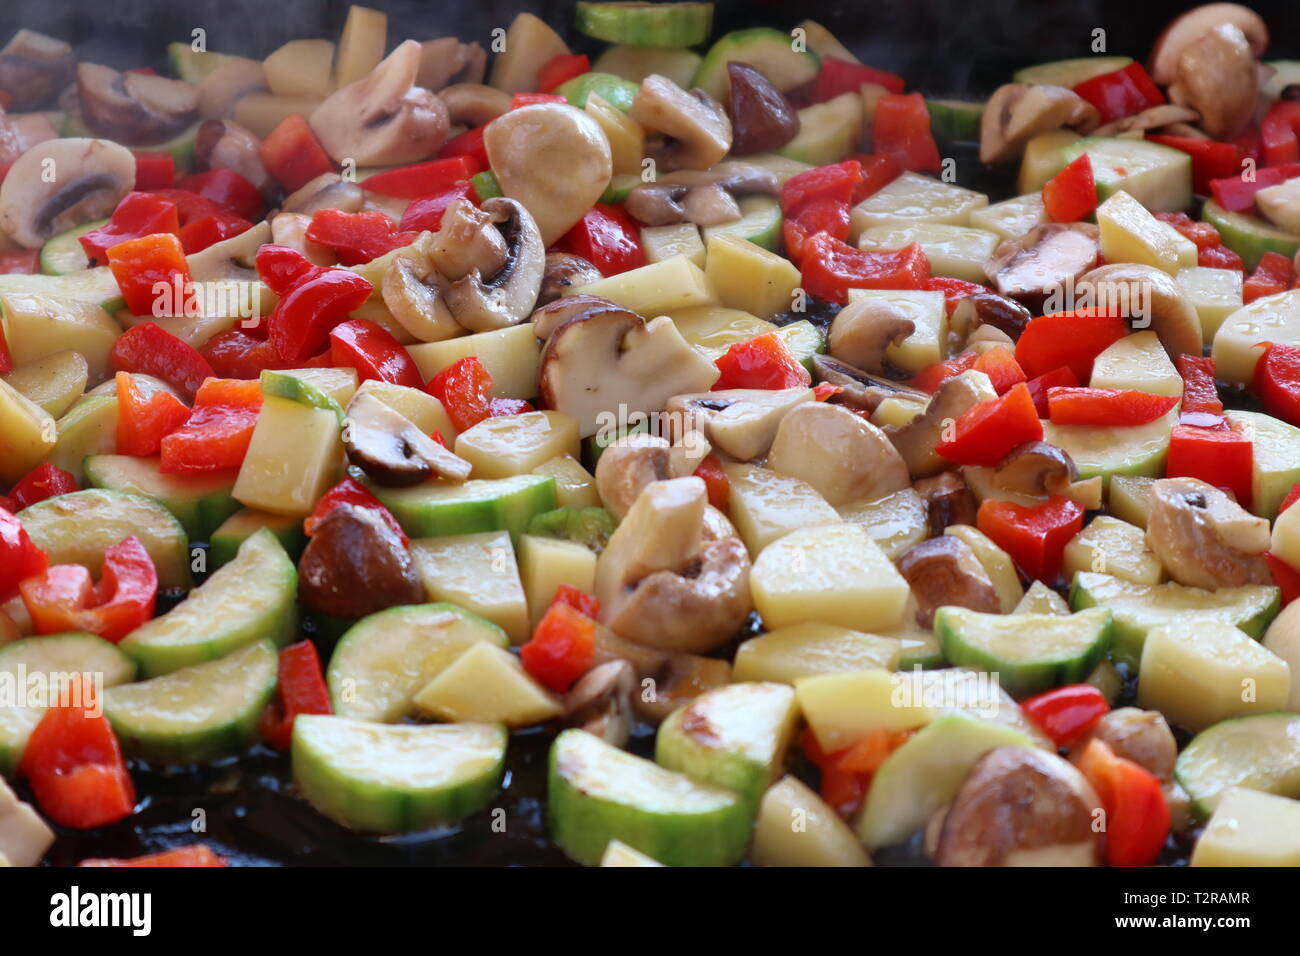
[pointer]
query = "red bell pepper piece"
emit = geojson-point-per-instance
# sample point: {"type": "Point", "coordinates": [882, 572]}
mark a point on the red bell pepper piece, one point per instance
{"type": "Point", "coordinates": [468, 143]}
{"type": "Point", "coordinates": [220, 426]}
{"type": "Point", "coordinates": [191, 206]}
{"type": "Point", "coordinates": [373, 351]}
{"type": "Point", "coordinates": [19, 558]}
{"type": "Point", "coordinates": [843, 791]}
{"type": "Point", "coordinates": [984, 434]}
{"type": "Point", "coordinates": [357, 236]}
{"type": "Point", "coordinates": [427, 211]}
{"type": "Point", "coordinates": [282, 268]}
{"type": "Point", "coordinates": [1220, 455]}
{"type": "Point", "coordinates": [25, 262]}
{"type": "Point", "coordinates": [1039, 387]}
{"type": "Point", "coordinates": [75, 764]}
{"type": "Point", "coordinates": [901, 130]}
{"type": "Point", "coordinates": [580, 601]}
{"type": "Point", "coordinates": [464, 388]}
{"type": "Point", "coordinates": [562, 648]}
{"type": "Point", "coordinates": [520, 100]}
{"type": "Point", "coordinates": [200, 854]}
{"type": "Point", "coordinates": [1279, 133]}
{"type": "Point", "coordinates": [205, 231]}
{"type": "Point", "coordinates": [1071, 195]}
{"type": "Point", "coordinates": [1210, 158]}
{"type": "Point", "coordinates": [1066, 713]}
{"type": "Point", "coordinates": [1285, 577]}
{"type": "Point", "coordinates": [716, 483]}
{"type": "Point", "coordinates": [229, 188]}
{"type": "Point", "coordinates": [6, 357]}
{"type": "Point", "coordinates": [237, 354]}
{"type": "Point", "coordinates": [62, 598]}
{"type": "Point", "coordinates": [838, 182]}
{"type": "Point", "coordinates": [151, 349]}
{"type": "Point", "coordinates": [1237, 194]}
{"type": "Point", "coordinates": [1000, 365]}
{"type": "Point", "coordinates": [840, 76]}
{"type": "Point", "coordinates": [1121, 93]}
{"type": "Point", "coordinates": [820, 215]}
{"type": "Point", "coordinates": [831, 267]}
{"type": "Point", "coordinates": [607, 238]}
{"type": "Point", "coordinates": [349, 491]}
{"type": "Point", "coordinates": [1204, 235]}
{"type": "Point", "coordinates": [1277, 381]}
{"type": "Point", "coordinates": [300, 323]}
{"type": "Point", "coordinates": [764, 361]}
{"type": "Point", "coordinates": [954, 290]}
{"type": "Point", "coordinates": [422, 179]}
{"type": "Point", "coordinates": [140, 265]}
{"type": "Point", "coordinates": [293, 155]}
{"type": "Point", "coordinates": [154, 170]}
{"type": "Point", "coordinates": [877, 170]}
{"type": "Point", "coordinates": [866, 755]}
{"type": "Point", "coordinates": [1220, 257]}
{"type": "Point", "coordinates": [1200, 393]}
{"type": "Point", "coordinates": [1137, 816]}
{"type": "Point", "coordinates": [561, 69]}
{"type": "Point", "coordinates": [42, 482]}
{"type": "Point", "coordinates": [1072, 339]}
{"type": "Point", "coordinates": [1034, 536]}
{"type": "Point", "coordinates": [932, 376]}
{"type": "Point", "coordinates": [1272, 275]}
{"type": "Point", "coordinates": [300, 690]}
{"type": "Point", "coordinates": [137, 215]}
{"type": "Point", "coordinates": [1106, 406]}
{"type": "Point", "coordinates": [1291, 498]}
{"type": "Point", "coordinates": [143, 422]}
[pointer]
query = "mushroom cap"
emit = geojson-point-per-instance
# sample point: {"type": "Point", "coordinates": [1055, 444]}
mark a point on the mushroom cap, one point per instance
{"type": "Point", "coordinates": [945, 571]}
{"type": "Point", "coordinates": [863, 330]}
{"type": "Point", "coordinates": [35, 69]}
{"type": "Point", "coordinates": [1189, 27]}
{"type": "Point", "coordinates": [1142, 736]}
{"type": "Point", "coordinates": [1205, 539]}
{"type": "Point", "coordinates": [627, 466]}
{"type": "Point", "coordinates": [843, 457]}
{"type": "Point", "coordinates": [1172, 317]}
{"type": "Point", "coordinates": [564, 271]}
{"type": "Point", "coordinates": [742, 422]}
{"type": "Point", "coordinates": [413, 292]}
{"type": "Point", "coordinates": [355, 564]}
{"type": "Point", "coordinates": [1017, 112]}
{"type": "Point", "coordinates": [697, 128]}
{"type": "Point", "coordinates": [861, 389]}
{"type": "Point", "coordinates": [1036, 468]}
{"type": "Point", "coordinates": [1046, 258]}
{"type": "Point", "coordinates": [506, 297]}
{"type": "Point", "coordinates": [1166, 114]}
{"type": "Point", "coordinates": [547, 318]}
{"type": "Point", "coordinates": [1218, 76]}
{"type": "Point", "coordinates": [134, 108]}
{"type": "Point", "coordinates": [92, 177]}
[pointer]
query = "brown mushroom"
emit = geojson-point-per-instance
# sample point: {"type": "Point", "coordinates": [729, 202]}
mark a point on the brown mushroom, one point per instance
{"type": "Point", "coordinates": [989, 309]}
{"type": "Point", "coordinates": [948, 501]}
{"type": "Point", "coordinates": [917, 439]}
{"type": "Point", "coordinates": [413, 289]}
{"type": "Point", "coordinates": [679, 680]}
{"type": "Point", "coordinates": [34, 70]}
{"type": "Point", "coordinates": [224, 144]}
{"type": "Point", "coordinates": [1166, 114]}
{"type": "Point", "coordinates": [137, 109]}
{"type": "Point", "coordinates": [564, 271]}
{"type": "Point", "coordinates": [864, 330]}
{"type": "Point", "coordinates": [1036, 468]}
{"type": "Point", "coordinates": [389, 447]}
{"type": "Point", "coordinates": [697, 130]}
{"type": "Point", "coordinates": [93, 176]}
{"type": "Point", "coordinates": [1017, 112]}
{"type": "Point", "coordinates": [601, 702]}
{"type": "Point", "coordinates": [1142, 736]}
{"type": "Point", "coordinates": [858, 388]}
{"type": "Point", "coordinates": [483, 300]}
{"type": "Point", "coordinates": [627, 466]}
{"type": "Point", "coordinates": [447, 61]}
{"type": "Point", "coordinates": [703, 197]}
{"type": "Point", "coordinates": [1187, 28]}
{"type": "Point", "coordinates": [742, 422]}
{"type": "Point", "coordinates": [1047, 258]}
{"type": "Point", "coordinates": [762, 119]}
{"type": "Point", "coordinates": [473, 104]}
{"type": "Point", "coordinates": [1218, 77]}
{"type": "Point", "coordinates": [945, 571]}
{"type": "Point", "coordinates": [551, 316]}
{"type": "Point", "coordinates": [1148, 297]}
{"type": "Point", "coordinates": [1021, 806]}
{"type": "Point", "coordinates": [355, 564]}
{"type": "Point", "coordinates": [843, 457]}
{"type": "Point", "coordinates": [1204, 538]}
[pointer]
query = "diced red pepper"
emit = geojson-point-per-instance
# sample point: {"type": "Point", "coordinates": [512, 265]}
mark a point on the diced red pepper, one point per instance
{"type": "Point", "coordinates": [42, 482]}
{"type": "Point", "coordinates": [878, 170]}
{"type": "Point", "coordinates": [349, 491]}
{"type": "Point", "coordinates": [1035, 536]}
{"type": "Point", "coordinates": [1137, 816]}
{"type": "Point", "coordinates": [293, 155]}
{"type": "Point", "coordinates": [501, 407]}
{"type": "Point", "coordinates": [357, 237]}
{"type": "Point", "coordinates": [840, 76]}
{"type": "Point", "coordinates": [716, 483]}
{"type": "Point", "coordinates": [1291, 498]}
{"type": "Point", "coordinates": [1220, 257]}
{"type": "Point", "coordinates": [19, 557]}
{"type": "Point", "coordinates": [151, 349]}
{"type": "Point", "coordinates": [1285, 577]}
{"type": "Point", "coordinates": [932, 376]}
{"type": "Point", "coordinates": [227, 187]}
{"type": "Point", "coordinates": [205, 231]}
{"type": "Point", "coordinates": [1210, 158]}
{"type": "Point", "coordinates": [220, 426]}
{"type": "Point", "coordinates": [1277, 381]}
{"type": "Point", "coordinates": [19, 262]}
{"type": "Point", "coordinates": [1039, 387]}
{"type": "Point", "coordinates": [520, 100]}
{"type": "Point", "coordinates": [143, 422]}
{"type": "Point", "coordinates": [464, 388]}
{"type": "Point", "coordinates": [1106, 406]}
{"type": "Point", "coordinates": [830, 268]}
{"type": "Point", "coordinates": [200, 854]}
{"type": "Point", "coordinates": [1121, 93]}
{"type": "Point", "coordinates": [1237, 193]}
{"type": "Point", "coordinates": [764, 361]}
{"type": "Point", "coordinates": [1272, 275]}
{"type": "Point", "coordinates": [607, 238]}
{"type": "Point", "coordinates": [300, 690]}
{"type": "Point", "coordinates": [301, 321]}
{"type": "Point", "coordinates": [427, 211]}
{"type": "Point", "coordinates": [1222, 456]}
{"type": "Point", "coordinates": [468, 143]}
{"type": "Point", "coordinates": [154, 170]}
{"type": "Point", "coordinates": [62, 598]}
{"type": "Point", "coordinates": [6, 357]}
{"type": "Point", "coordinates": [954, 290]}
{"type": "Point", "coordinates": [838, 182]}
{"type": "Point", "coordinates": [282, 268]}
{"type": "Point", "coordinates": [868, 753]}
{"type": "Point", "coordinates": [984, 434]}
{"type": "Point", "coordinates": [1200, 393]}
{"type": "Point", "coordinates": [75, 764]}
{"type": "Point", "coordinates": [562, 648]}
{"type": "Point", "coordinates": [1000, 365]}
{"type": "Point", "coordinates": [237, 354]}
{"type": "Point", "coordinates": [136, 216]}
{"type": "Point", "coordinates": [140, 265]}
{"type": "Point", "coordinates": [1279, 133]}
{"type": "Point", "coordinates": [580, 601]}
{"type": "Point", "coordinates": [1202, 233]}
{"type": "Point", "coordinates": [821, 215]}
{"type": "Point", "coordinates": [901, 130]}
{"type": "Point", "coordinates": [422, 179]}
{"type": "Point", "coordinates": [842, 791]}
{"type": "Point", "coordinates": [1071, 195]}
{"type": "Point", "coordinates": [1066, 713]}
{"type": "Point", "coordinates": [373, 351]}
{"type": "Point", "coordinates": [561, 69]}
{"type": "Point", "coordinates": [1072, 339]}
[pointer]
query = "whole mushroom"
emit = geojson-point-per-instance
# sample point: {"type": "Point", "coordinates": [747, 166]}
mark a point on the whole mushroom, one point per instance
{"type": "Point", "coordinates": [90, 177]}
{"type": "Point", "coordinates": [482, 301]}
{"type": "Point", "coordinates": [355, 564]}
{"type": "Point", "coordinates": [1204, 538]}
{"type": "Point", "coordinates": [1148, 297]}
{"type": "Point", "coordinates": [1186, 29]}
{"type": "Point", "coordinates": [696, 129]}
{"type": "Point", "coordinates": [137, 109]}
{"type": "Point", "coordinates": [1218, 77]}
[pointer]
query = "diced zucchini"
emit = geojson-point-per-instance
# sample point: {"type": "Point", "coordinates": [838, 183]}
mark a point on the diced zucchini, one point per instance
{"type": "Point", "coordinates": [1070, 73]}
{"type": "Point", "coordinates": [510, 355]}
{"type": "Point", "coordinates": [1107, 451]}
{"type": "Point", "coordinates": [657, 289]}
{"type": "Point", "coordinates": [476, 572]}
{"type": "Point", "coordinates": [913, 198]}
{"type": "Point", "coordinates": [94, 286]}
{"type": "Point", "coordinates": [759, 223]}
{"type": "Point", "coordinates": [589, 527]}
{"type": "Point", "coordinates": [1249, 236]}
{"type": "Point", "coordinates": [955, 121]}
{"type": "Point", "coordinates": [614, 90]}
{"type": "Point", "coordinates": [958, 252]}
{"type": "Point", "coordinates": [487, 684]}
{"type": "Point", "coordinates": [796, 828]}
{"type": "Point", "coordinates": [1258, 752]}
{"type": "Point", "coordinates": [618, 853]}
{"type": "Point", "coordinates": [1108, 545]}
{"type": "Point", "coordinates": [1129, 499]}
{"type": "Point", "coordinates": [575, 486]}
{"type": "Point", "coordinates": [1157, 176]}
{"type": "Point", "coordinates": [895, 522]}
{"type": "Point", "coordinates": [1273, 318]}
{"type": "Point", "coordinates": [803, 650]}
{"type": "Point", "coordinates": [1214, 293]}
{"type": "Point", "coordinates": [1250, 828]}
{"type": "Point", "coordinates": [1129, 233]}
{"type": "Point", "coordinates": [1040, 599]}
{"type": "Point", "coordinates": [1011, 218]}
{"type": "Point", "coordinates": [243, 524]}
{"type": "Point", "coordinates": [770, 51]}
{"type": "Point", "coordinates": [827, 131]}
{"type": "Point", "coordinates": [63, 254]}
{"type": "Point", "coordinates": [665, 242]}
{"type": "Point", "coordinates": [929, 314]}
{"type": "Point", "coordinates": [645, 24]}
{"type": "Point", "coordinates": [748, 277]}
{"type": "Point", "coordinates": [199, 502]}
{"type": "Point", "coordinates": [803, 340]}
{"type": "Point", "coordinates": [311, 385]}
{"type": "Point", "coordinates": [435, 508]}
{"type": "Point", "coordinates": [1276, 461]}
{"type": "Point", "coordinates": [1138, 362]}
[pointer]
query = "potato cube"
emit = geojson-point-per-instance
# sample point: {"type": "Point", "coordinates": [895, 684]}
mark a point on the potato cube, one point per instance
{"type": "Point", "coordinates": [665, 242]}
{"type": "Point", "coordinates": [1110, 546]}
{"type": "Point", "coordinates": [27, 433]}
{"type": "Point", "coordinates": [913, 198]}
{"type": "Point", "coordinates": [801, 650]}
{"type": "Point", "coordinates": [746, 276]}
{"type": "Point", "coordinates": [293, 457]}
{"type": "Point", "coordinates": [1138, 362]}
{"type": "Point", "coordinates": [1251, 828]}
{"type": "Point", "coordinates": [516, 444]}
{"type": "Point", "coordinates": [1011, 218]}
{"type": "Point", "coordinates": [1214, 293]}
{"type": "Point", "coordinates": [795, 827]}
{"type": "Point", "coordinates": [843, 708]}
{"type": "Point", "coordinates": [955, 251]}
{"type": "Point", "coordinates": [764, 505]}
{"type": "Point", "coordinates": [511, 356]}
{"type": "Point", "coordinates": [1129, 498]}
{"type": "Point", "coordinates": [575, 487]}
{"type": "Point", "coordinates": [477, 572]}
{"type": "Point", "coordinates": [487, 684]}
{"type": "Point", "coordinates": [547, 563]}
{"type": "Point", "coordinates": [1129, 233]}
{"type": "Point", "coordinates": [655, 289]}
{"type": "Point", "coordinates": [895, 522]}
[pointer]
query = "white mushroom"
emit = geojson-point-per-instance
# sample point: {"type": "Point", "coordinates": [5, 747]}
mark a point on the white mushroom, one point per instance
{"type": "Point", "coordinates": [326, 191]}
{"type": "Point", "coordinates": [89, 178]}
{"type": "Point", "coordinates": [134, 108]}
{"type": "Point", "coordinates": [1166, 114]}
{"type": "Point", "coordinates": [627, 466]}
{"type": "Point", "coordinates": [413, 291]}
{"type": "Point", "coordinates": [838, 453]}
{"type": "Point", "coordinates": [1017, 112]}
{"type": "Point", "coordinates": [224, 144]}
{"type": "Point", "coordinates": [467, 241]}
{"type": "Point", "coordinates": [1147, 297]}
{"type": "Point", "coordinates": [447, 60]}
{"type": "Point", "coordinates": [473, 104]}
{"type": "Point", "coordinates": [1205, 539]}
{"type": "Point", "coordinates": [864, 330]}
{"type": "Point", "coordinates": [1189, 27]}
{"type": "Point", "coordinates": [1219, 78]}
{"type": "Point", "coordinates": [483, 301]}
{"type": "Point", "coordinates": [742, 422]}
{"type": "Point", "coordinates": [229, 83]}
{"type": "Point", "coordinates": [697, 128]}
{"type": "Point", "coordinates": [392, 450]}
{"type": "Point", "coordinates": [1047, 258]}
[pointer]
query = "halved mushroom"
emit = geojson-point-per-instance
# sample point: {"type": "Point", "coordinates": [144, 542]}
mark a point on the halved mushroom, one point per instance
{"type": "Point", "coordinates": [1189, 27]}
{"type": "Point", "coordinates": [1166, 114]}
{"type": "Point", "coordinates": [1218, 77]}
{"type": "Point", "coordinates": [134, 108]}
{"type": "Point", "coordinates": [627, 466]}
{"type": "Point", "coordinates": [697, 129]}
{"type": "Point", "coordinates": [1017, 112]}
{"type": "Point", "coordinates": [326, 191]}
{"type": "Point", "coordinates": [1021, 806]}
{"type": "Point", "coordinates": [945, 571]}
{"type": "Point", "coordinates": [229, 83]}
{"type": "Point", "coordinates": [704, 197]}
{"type": "Point", "coordinates": [551, 316]}
{"type": "Point", "coordinates": [1142, 736]}
{"type": "Point", "coordinates": [1204, 538]}
{"type": "Point", "coordinates": [917, 439]}
{"type": "Point", "coordinates": [1047, 258]}
{"type": "Point", "coordinates": [355, 564]}
{"type": "Point", "coordinates": [383, 118]}
{"type": "Point", "coordinates": [666, 579]}
{"type": "Point", "coordinates": [948, 501]}
{"type": "Point", "coordinates": [447, 60]}
{"type": "Point", "coordinates": [863, 330]}
{"type": "Point", "coordinates": [1036, 468]}
{"type": "Point", "coordinates": [468, 241]}
{"type": "Point", "coordinates": [34, 70]}
{"type": "Point", "coordinates": [742, 422]}
{"type": "Point", "coordinates": [601, 702]}
{"type": "Point", "coordinates": [762, 119]}
{"type": "Point", "coordinates": [989, 309]}
{"type": "Point", "coordinates": [413, 291]}
{"type": "Point", "coordinates": [1149, 298]}
{"type": "Point", "coordinates": [861, 389]}
{"type": "Point", "coordinates": [473, 104]}
{"type": "Point", "coordinates": [564, 271]}
{"type": "Point", "coordinates": [224, 144]}
{"type": "Point", "coordinates": [392, 450]}
{"type": "Point", "coordinates": [604, 359]}
{"type": "Point", "coordinates": [839, 454]}
{"type": "Point", "coordinates": [91, 177]}
{"type": "Point", "coordinates": [507, 295]}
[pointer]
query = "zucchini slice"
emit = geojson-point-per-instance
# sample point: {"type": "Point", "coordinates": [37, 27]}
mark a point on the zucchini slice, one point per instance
{"type": "Point", "coordinates": [199, 502]}
{"type": "Point", "coordinates": [635, 63]}
{"type": "Point", "coordinates": [1258, 752]}
{"type": "Point", "coordinates": [396, 778]}
{"type": "Point", "coordinates": [646, 24]}
{"type": "Point", "coordinates": [769, 51]}
{"type": "Point", "coordinates": [62, 254]}
{"type": "Point", "coordinates": [1070, 73]}
{"type": "Point", "coordinates": [436, 508]}
{"type": "Point", "coordinates": [1247, 235]}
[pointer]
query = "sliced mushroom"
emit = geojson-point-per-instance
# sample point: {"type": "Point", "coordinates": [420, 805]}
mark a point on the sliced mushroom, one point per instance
{"type": "Point", "coordinates": [742, 422]}
{"type": "Point", "coordinates": [666, 580]}
{"type": "Point", "coordinates": [383, 118]}
{"type": "Point", "coordinates": [697, 129]}
{"type": "Point", "coordinates": [917, 439]}
{"type": "Point", "coordinates": [601, 702]}
{"type": "Point", "coordinates": [224, 144]}
{"type": "Point", "coordinates": [627, 466]}
{"type": "Point", "coordinates": [229, 83]}
{"type": "Point", "coordinates": [355, 564]}
{"type": "Point", "coordinates": [34, 70]}
{"type": "Point", "coordinates": [1021, 806]}
{"type": "Point", "coordinates": [551, 316]}
{"type": "Point", "coordinates": [234, 258]}
{"type": "Point", "coordinates": [564, 271]}
{"type": "Point", "coordinates": [505, 297]}
{"type": "Point", "coordinates": [447, 60]}
{"type": "Point", "coordinates": [389, 447]}
{"type": "Point", "coordinates": [989, 309]}
{"type": "Point", "coordinates": [473, 104]}
{"type": "Point", "coordinates": [762, 119]}
{"type": "Point", "coordinates": [710, 206]}
{"type": "Point", "coordinates": [290, 229]}
{"type": "Point", "coordinates": [90, 177]}
{"type": "Point", "coordinates": [1047, 258]}
{"type": "Point", "coordinates": [552, 158]}
{"type": "Point", "coordinates": [134, 108]}
{"type": "Point", "coordinates": [1017, 112]}
{"type": "Point", "coordinates": [1186, 29]}
{"type": "Point", "coordinates": [948, 501]}
{"type": "Point", "coordinates": [1142, 736]}
{"type": "Point", "coordinates": [1148, 297]}
{"type": "Point", "coordinates": [1036, 468]}
{"type": "Point", "coordinates": [468, 241]}
{"type": "Point", "coordinates": [863, 330]}
{"type": "Point", "coordinates": [326, 191]}
{"type": "Point", "coordinates": [858, 388]}
{"type": "Point", "coordinates": [1218, 77]}
{"type": "Point", "coordinates": [1166, 114]}
{"type": "Point", "coordinates": [1204, 538]}
{"type": "Point", "coordinates": [839, 454]}
{"type": "Point", "coordinates": [702, 197]}
{"type": "Point", "coordinates": [413, 291]}
{"type": "Point", "coordinates": [945, 571]}
{"type": "Point", "coordinates": [602, 360]}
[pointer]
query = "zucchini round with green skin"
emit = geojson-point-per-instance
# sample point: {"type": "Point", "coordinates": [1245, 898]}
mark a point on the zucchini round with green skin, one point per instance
{"type": "Point", "coordinates": [1249, 236]}
{"type": "Point", "coordinates": [95, 285]}
{"type": "Point", "coordinates": [804, 341]}
{"type": "Point", "coordinates": [54, 656]}
{"type": "Point", "coordinates": [1157, 176]}
{"type": "Point", "coordinates": [645, 24]}
{"type": "Point", "coordinates": [1070, 73]}
{"type": "Point", "coordinates": [388, 778]}
{"type": "Point", "coordinates": [432, 509]}
{"type": "Point", "coordinates": [1131, 450]}
{"type": "Point", "coordinates": [955, 121]}
{"type": "Point", "coordinates": [769, 51]}
{"type": "Point", "coordinates": [197, 713]}
{"type": "Point", "coordinates": [285, 385]}
{"type": "Point", "coordinates": [597, 793]}
{"type": "Point", "coordinates": [619, 186]}
{"type": "Point", "coordinates": [252, 598]}
{"type": "Point", "coordinates": [759, 222]}
{"type": "Point", "coordinates": [199, 502]}
{"type": "Point", "coordinates": [1029, 652]}
{"type": "Point", "coordinates": [614, 90]}
{"type": "Point", "coordinates": [63, 254]}
{"type": "Point", "coordinates": [225, 542]}
{"type": "Point", "coordinates": [384, 659]}
{"type": "Point", "coordinates": [590, 527]}
{"type": "Point", "coordinates": [1258, 752]}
